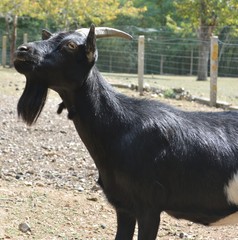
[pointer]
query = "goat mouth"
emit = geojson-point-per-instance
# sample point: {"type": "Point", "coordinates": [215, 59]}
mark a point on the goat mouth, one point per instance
{"type": "Point", "coordinates": [24, 63]}
{"type": "Point", "coordinates": [21, 59]}
{"type": "Point", "coordinates": [24, 57]}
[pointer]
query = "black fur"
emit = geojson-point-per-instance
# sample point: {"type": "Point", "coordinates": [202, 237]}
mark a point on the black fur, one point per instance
{"type": "Point", "coordinates": [32, 102]}
{"type": "Point", "coordinates": [151, 157]}
{"type": "Point", "coordinates": [61, 107]}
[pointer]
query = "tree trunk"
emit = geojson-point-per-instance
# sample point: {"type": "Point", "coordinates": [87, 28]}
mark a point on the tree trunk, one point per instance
{"type": "Point", "coordinates": [203, 57]}
{"type": "Point", "coordinates": [13, 40]}
{"type": "Point", "coordinates": [208, 22]}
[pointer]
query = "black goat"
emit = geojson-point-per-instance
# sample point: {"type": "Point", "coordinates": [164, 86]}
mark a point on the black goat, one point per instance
{"type": "Point", "coordinates": [151, 157]}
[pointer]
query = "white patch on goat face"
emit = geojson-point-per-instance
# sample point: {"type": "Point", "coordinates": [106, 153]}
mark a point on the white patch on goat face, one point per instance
{"type": "Point", "coordinates": [229, 220]}
{"type": "Point", "coordinates": [231, 190]}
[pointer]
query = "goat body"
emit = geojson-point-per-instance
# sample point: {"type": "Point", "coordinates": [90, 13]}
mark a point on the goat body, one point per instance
{"type": "Point", "coordinates": [150, 156]}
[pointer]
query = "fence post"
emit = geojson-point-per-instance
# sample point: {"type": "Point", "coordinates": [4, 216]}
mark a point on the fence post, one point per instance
{"type": "Point", "coordinates": [4, 51]}
{"type": "Point", "coordinates": [213, 70]}
{"type": "Point", "coordinates": [141, 49]}
{"type": "Point", "coordinates": [191, 63]}
{"type": "Point", "coordinates": [25, 38]}
{"type": "Point", "coordinates": [161, 64]}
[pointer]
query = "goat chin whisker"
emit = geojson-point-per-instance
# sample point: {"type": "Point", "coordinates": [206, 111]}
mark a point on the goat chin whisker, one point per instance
{"type": "Point", "coordinates": [32, 102]}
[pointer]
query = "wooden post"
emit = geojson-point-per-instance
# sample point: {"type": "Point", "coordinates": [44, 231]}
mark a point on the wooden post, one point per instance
{"type": "Point", "coordinates": [25, 38]}
{"type": "Point", "coordinates": [141, 49]}
{"type": "Point", "coordinates": [191, 63]}
{"type": "Point", "coordinates": [110, 62]}
{"type": "Point", "coordinates": [13, 40]}
{"type": "Point", "coordinates": [213, 70]}
{"type": "Point", "coordinates": [161, 64]}
{"type": "Point", "coordinates": [4, 51]}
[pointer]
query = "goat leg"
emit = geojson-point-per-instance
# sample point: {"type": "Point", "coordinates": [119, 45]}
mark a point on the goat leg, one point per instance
{"type": "Point", "coordinates": [148, 226]}
{"type": "Point", "coordinates": [125, 226]}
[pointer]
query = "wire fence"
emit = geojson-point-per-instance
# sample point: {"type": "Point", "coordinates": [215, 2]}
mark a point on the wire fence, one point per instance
{"type": "Point", "coordinates": [166, 56]}
{"type": "Point", "coordinates": [228, 59]}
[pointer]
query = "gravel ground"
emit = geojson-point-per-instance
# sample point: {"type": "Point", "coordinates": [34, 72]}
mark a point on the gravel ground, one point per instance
{"type": "Point", "coordinates": [48, 153]}
{"type": "Point", "coordinates": [49, 180]}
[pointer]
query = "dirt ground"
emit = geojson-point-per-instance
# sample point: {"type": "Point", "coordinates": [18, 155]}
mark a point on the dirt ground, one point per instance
{"type": "Point", "coordinates": [48, 180]}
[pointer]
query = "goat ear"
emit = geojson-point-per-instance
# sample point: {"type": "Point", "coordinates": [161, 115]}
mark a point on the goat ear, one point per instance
{"type": "Point", "coordinates": [91, 45]}
{"type": "Point", "coordinates": [45, 34]}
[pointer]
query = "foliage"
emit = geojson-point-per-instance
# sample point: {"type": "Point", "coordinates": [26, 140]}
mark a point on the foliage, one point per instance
{"type": "Point", "coordinates": [62, 14]}
{"type": "Point", "coordinates": [205, 16]}
{"type": "Point", "coordinates": [66, 14]}
{"type": "Point", "coordinates": [195, 12]}
{"type": "Point", "coordinates": [73, 13]}
{"type": "Point", "coordinates": [169, 93]}
{"type": "Point", "coordinates": [161, 21]}
{"type": "Point", "coordinates": [155, 15]}
{"type": "Point", "coordinates": [15, 7]}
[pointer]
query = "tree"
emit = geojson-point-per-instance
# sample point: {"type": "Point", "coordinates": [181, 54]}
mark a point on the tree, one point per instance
{"type": "Point", "coordinates": [156, 13]}
{"type": "Point", "coordinates": [65, 14]}
{"type": "Point", "coordinates": [11, 10]}
{"type": "Point", "coordinates": [206, 16]}
{"type": "Point", "coordinates": [68, 14]}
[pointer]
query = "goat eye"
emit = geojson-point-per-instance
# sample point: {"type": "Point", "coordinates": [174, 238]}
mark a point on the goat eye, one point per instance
{"type": "Point", "coordinates": [72, 45]}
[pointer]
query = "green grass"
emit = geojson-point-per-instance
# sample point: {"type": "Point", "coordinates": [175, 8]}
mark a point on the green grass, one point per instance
{"type": "Point", "coordinates": [227, 88]}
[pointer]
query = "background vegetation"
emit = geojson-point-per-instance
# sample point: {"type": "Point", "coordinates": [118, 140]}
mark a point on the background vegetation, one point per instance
{"type": "Point", "coordinates": [176, 31]}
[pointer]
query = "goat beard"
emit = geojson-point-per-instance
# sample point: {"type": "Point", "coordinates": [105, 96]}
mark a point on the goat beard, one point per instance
{"type": "Point", "coordinates": [32, 101]}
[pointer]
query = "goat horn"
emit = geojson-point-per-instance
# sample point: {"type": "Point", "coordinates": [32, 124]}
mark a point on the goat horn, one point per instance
{"type": "Point", "coordinates": [105, 32]}
{"type": "Point", "coordinates": [111, 32]}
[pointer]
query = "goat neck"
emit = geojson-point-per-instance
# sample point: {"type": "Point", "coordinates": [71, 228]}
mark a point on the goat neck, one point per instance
{"type": "Point", "coordinates": [97, 113]}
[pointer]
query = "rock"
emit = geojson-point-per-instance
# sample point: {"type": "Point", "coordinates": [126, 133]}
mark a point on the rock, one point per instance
{"type": "Point", "coordinates": [94, 199]}
{"type": "Point", "coordinates": [28, 184]}
{"type": "Point", "coordinates": [103, 226]}
{"type": "Point", "coordinates": [178, 96]}
{"type": "Point", "coordinates": [30, 172]}
{"type": "Point", "coordinates": [185, 236]}
{"type": "Point", "coordinates": [96, 188]}
{"type": "Point", "coordinates": [24, 227]}
{"type": "Point", "coordinates": [178, 90]}
{"type": "Point", "coordinates": [182, 235]}
{"type": "Point", "coordinates": [80, 189]}
{"type": "Point", "coordinates": [154, 95]}
{"type": "Point", "coordinates": [83, 180]}
{"type": "Point", "coordinates": [19, 175]}
{"type": "Point", "coordinates": [40, 184]}
{"type": "Point", "coordinates": [147, 87]}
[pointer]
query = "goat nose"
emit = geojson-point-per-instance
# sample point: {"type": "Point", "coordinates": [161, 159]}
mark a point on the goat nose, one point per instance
{"type": "Point", "coordinates": [23, 48]}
